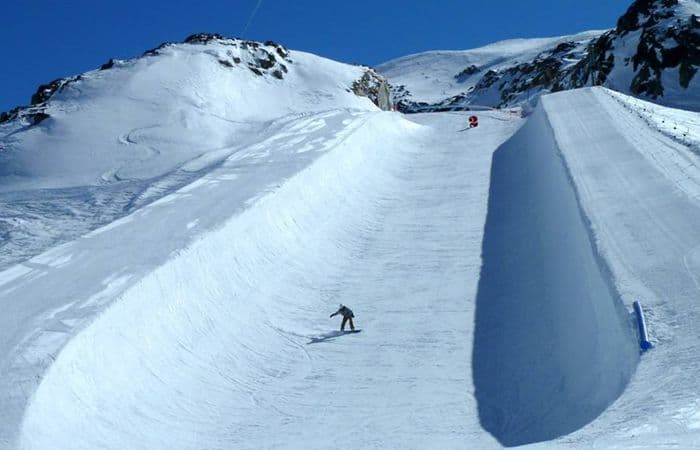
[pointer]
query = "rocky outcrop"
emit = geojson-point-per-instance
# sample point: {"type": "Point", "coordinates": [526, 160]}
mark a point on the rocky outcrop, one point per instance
{"type": "Point", "coordinates": [663, 48]}
{"type": "Point", "coordinates": [664, 37]}
{"type": "Point", "coordinates": [467, 72]}
{"type": "Point", "coordinates": [375, 87]}
{"type": "Point", "coordinates": [36, 112]}
{"type": "Point", "coordinates": [267, 58]}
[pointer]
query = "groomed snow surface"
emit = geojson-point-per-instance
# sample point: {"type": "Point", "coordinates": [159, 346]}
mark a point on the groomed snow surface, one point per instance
{"type": "Point", "coordinates": [491, 271]}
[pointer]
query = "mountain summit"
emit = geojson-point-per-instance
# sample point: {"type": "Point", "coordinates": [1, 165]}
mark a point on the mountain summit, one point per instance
{"type": "Point", "coordinates": [652, 53]}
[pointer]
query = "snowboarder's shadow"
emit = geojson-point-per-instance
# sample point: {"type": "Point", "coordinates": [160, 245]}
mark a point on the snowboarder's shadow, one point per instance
{"type": "Point", "coordinates": [326, 337]}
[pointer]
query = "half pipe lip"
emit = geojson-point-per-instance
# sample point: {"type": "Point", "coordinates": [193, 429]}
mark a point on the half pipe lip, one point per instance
{"type": "Point", "coordinates": [553, 343]}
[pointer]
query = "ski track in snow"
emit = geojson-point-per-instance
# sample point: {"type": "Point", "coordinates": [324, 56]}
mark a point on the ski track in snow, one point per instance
{"type": "Point", "coordinates": [32, 221]}
{"type": "Point", "coordinates": [125, 260]}
{"type": "Point", "coordinates": [645, 217]}
{"type": "Point", "coordinates": [240, 333]}
{"type": "Point", "coordinates": [553, 344]}
{"type": "Point", "coordinates": [206, 307]}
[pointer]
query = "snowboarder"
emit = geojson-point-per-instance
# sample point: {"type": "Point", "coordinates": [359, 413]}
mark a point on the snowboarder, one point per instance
{"type": "Point", "coordinates": [347, 316]}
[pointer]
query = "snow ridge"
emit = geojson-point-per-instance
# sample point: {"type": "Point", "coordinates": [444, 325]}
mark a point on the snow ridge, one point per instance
{"type": "Point", "coordinates": [553, 343]}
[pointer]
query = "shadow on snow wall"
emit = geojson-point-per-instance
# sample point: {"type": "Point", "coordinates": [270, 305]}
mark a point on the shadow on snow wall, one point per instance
{"type": "Point", "coordinates": [553, 344]}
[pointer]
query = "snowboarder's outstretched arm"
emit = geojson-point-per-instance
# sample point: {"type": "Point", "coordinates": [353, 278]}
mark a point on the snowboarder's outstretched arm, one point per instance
{"type": "Point", "coordinates": [340, 311]}
{"type": "Point", "coordinates": [345, 311]}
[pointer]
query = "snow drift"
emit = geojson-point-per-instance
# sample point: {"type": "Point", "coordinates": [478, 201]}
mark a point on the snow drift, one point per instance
{"type": "Point", "coordinates": [553, 344]}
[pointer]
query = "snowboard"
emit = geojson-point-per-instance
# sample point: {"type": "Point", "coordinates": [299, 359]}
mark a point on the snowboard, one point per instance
{"type": "Point", "coordinates": [356, 330]}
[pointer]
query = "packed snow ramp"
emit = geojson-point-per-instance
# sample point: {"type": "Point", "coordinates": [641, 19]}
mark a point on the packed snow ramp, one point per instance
{"type": "Point", "coordinates": [639, 185]}
{"type": "Point", "coordinates": [228, 344]}
{"type": "Point", "coordinates": [553, 345]}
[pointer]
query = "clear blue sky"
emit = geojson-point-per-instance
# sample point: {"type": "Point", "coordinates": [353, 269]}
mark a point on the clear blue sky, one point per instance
{"type": "Point", "coordinates": [42, 40]}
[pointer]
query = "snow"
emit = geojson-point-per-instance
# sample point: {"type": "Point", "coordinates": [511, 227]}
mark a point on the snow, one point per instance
{"type": "Point", "coordinates": [553, 345]}
{"type": "Point", "coordinates": [502, 73]}
{"type": "Point", "coordinates": [645, 221]}
{"type": "Point", "coordinates": [175, 266]}
{"type": "Point", "coordinates": [675, 124]}
{"type": "Point", "coordinates": [236, 309]}
{"type": "Point", "coordinates": [626, 46]}
{"type": "Point", "coordinates": [121, 138]}
{"type": "Point", "coordinates": [431, 76]}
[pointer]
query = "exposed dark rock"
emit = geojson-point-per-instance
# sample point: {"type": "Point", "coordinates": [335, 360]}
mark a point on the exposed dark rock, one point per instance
{"type": "Point", "coordinates": [9, 115]}
{"type": "Point", "coordinates": [644, 13]}
{"type": "Point", "coordinates": [108, 65]}
{"type": "Point", "coordinates": [564, 47]}
{"type": "Point", "coordinates": [687, 54]}
{"type": "Point", "coordinates": [596, 65]}
{"type": "Point", "coordinates": [156, 51]}
{"type": "Point", "coordinates": [236, 59]}
{"type": "Point", "coordinates": [38, 117]}
{"type": "Point", "coordinates": [399, 94]}
{"type": "Point", "coordinates": [375, 87]}
{"type": "Point", "coordinates": [467, 72]}
{"type": "Point", "coordinates": [34, 114]}
{"type": "Point", "coordinates": [225, 63]}
{"type": "Point", "coordinates": [202, 38]}
{"type": "Point", "coordinates": [268, 62]}
{"type": "Point", "coordinates": [283, 52]}
{"type": "Point", "coordinates": [654, 55]}
{"type": "Point", "coordinates": [255, 70]}
{"type": "Point", "coordinates": [540, 74]}
{"type": "Point", "coordinates": [46, 91]}
{"type": "Point", "coordinates": [277, 74]}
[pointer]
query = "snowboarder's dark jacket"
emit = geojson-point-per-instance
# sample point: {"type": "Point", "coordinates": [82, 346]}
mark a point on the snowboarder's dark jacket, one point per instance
{"type": "Point", "coordinates": [344, 311]}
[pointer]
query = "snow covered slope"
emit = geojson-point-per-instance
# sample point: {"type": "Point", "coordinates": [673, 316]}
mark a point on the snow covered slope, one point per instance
{"type": "Point", "coordinates": [653, 53]}
{"type": "Point", "coordinates": [217, 334]}
{"type": "Point", "coordinates": [553, 343]}
{"type": "Point", "coordinates": [437, 75]}
{"type": "Point", "coordinates": [211, 223]}
{"type": "Point", "coordinates": [640, 189]}
{"type": "Point", "coordinates": [111, 140]}
{"type": "Point", "coordinates": [205, 327]}
{"type": "Point", "coordinates": [637, 188]}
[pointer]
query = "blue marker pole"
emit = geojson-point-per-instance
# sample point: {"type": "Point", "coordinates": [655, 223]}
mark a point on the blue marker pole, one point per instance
{"type": "Point", "coordinates": [642, 324]}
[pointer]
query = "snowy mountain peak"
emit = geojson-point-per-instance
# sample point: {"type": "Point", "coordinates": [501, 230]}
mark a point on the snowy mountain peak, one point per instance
{"type": "Point", "coordinates": [159, 119]}
{"type": "Point", "coordinates": [260, 59]}
{"type": "Point", "coordinates": [652, 53]}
